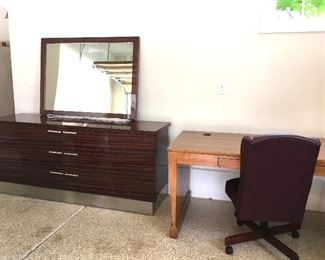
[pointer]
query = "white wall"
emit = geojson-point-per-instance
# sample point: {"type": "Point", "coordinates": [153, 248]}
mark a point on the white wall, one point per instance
{"type": "Point", "coordinates": [275, 82]}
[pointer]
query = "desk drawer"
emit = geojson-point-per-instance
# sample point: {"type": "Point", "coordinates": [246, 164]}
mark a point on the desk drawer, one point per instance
{"type": "Point", "coordinates": [320, 169]}
{"type": "Point", "coordinates": [229, 162]}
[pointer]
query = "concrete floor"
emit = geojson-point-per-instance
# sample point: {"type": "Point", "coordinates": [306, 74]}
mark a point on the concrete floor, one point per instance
{"type": "Point", "coordinates": [39, 229]}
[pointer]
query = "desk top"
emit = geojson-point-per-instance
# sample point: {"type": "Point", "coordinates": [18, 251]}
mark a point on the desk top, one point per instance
{"type": "Point", "coordinates": [207, 143]}
{"type": "Point", "coordinates": [224, 144]}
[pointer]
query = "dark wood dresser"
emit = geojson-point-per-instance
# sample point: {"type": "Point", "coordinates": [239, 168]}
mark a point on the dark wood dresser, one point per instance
{"type": "Point", "coordinates": [115, 166]}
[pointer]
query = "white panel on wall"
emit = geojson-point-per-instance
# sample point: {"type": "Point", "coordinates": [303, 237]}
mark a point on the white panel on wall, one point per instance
{"type": "Point", "coordinates": [4, 32]}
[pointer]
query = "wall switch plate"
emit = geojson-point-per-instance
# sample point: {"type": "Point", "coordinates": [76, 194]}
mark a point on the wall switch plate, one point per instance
{"type": "Point", "coordinates": [222, 90]}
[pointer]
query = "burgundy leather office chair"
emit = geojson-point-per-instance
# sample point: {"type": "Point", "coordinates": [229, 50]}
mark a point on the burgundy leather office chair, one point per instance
{"type": "Point", "coordinates": [276, 173]}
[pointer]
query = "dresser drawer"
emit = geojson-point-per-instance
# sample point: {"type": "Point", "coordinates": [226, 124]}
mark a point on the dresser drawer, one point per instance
{"type": "Point", "coordinates": [144, 143]}
{"type": "Point", "coordinates": [79, 141]}
{"type": "Point", "coordinates": [116, 170]}
{"type": "Point", "coordinates": [132, 148]}
{"type": "Point", "coordinates": [96, 156]}
{"type": "Point", "coordinates": [78, 136]}
{"type": "Point", "coordinates": [90, 182]}
{"type": "Point", "coordinates": [32, 173]}
{"type": "Point", "coordinates": [134, 181]}
{"type": "Point", "coordinates": [100, 145]}
{"type": "Point", "coordinates": [25, 137]}
{"type": "Point", "coordinates": [127, 181]}
{"type": "Point", "coordinates": [30, 154]}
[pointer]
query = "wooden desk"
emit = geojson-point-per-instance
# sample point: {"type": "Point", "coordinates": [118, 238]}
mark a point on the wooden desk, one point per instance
{"type": "Point", "coordinates": [220, 150]}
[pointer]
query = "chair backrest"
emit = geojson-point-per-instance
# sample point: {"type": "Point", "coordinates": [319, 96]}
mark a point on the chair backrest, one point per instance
{"type": "Point", "coordinates": [276, 176]}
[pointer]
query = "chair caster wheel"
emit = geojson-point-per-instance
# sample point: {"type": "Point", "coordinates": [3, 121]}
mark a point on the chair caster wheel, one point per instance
{"type": "Point", "coordinates": [295, 233]}
{"type": "Point", "coordinates": [239, 222]}
{"type": "Point", "coordinates": [229, 250]}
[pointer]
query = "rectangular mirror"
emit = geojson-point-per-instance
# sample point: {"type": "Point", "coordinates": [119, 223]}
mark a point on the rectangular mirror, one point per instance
{"type": "Point", "coordinates": [90, 76]}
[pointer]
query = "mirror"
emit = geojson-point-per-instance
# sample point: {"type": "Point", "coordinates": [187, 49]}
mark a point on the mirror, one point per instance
{"type": "Point", "coordinates": [90, 76]}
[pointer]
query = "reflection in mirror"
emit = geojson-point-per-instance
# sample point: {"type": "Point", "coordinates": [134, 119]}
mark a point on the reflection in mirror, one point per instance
{"type": "Point", "coordinates": [6, 89]}
{"type": "Point", "coordinates": [91, 77]}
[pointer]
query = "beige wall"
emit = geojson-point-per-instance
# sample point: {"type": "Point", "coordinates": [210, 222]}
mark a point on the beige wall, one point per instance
{"type": "Point", "coordinates": [275, 82]}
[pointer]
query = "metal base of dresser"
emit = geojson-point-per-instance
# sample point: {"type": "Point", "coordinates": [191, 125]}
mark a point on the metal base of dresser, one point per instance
{"type": "Point", "coordinates": [102, 201]}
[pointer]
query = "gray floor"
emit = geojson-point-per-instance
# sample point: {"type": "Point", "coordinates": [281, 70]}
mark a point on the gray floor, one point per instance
{"type": "Point", "coordinates": [39, 229]}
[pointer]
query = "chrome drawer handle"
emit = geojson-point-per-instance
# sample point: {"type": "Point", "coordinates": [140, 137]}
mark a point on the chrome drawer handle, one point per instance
{"type": "Point", "coordinates": [54, 131]}
{"type": "Point", "coordinates": [72, 175]}
{"type": "Point", "coordinates": [56, 173]}
{"type": "Point", "coordinates": [69, 132]}
{"type": "Point", "coordinates": [55, 152]}
{"type": "Point", "coordinates": [71, 154]}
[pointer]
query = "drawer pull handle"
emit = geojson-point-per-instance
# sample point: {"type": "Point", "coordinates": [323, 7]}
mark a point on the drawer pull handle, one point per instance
{"type": "Point", "coordinates": [54, 131]}
{"type": "Point", "coordinates": [56, 173]}
{"type": "Point", "coordinates": [69, 132]}
{"type": "Point", "coordinates": [71, 154]}
{"type": "Point", "coordinates": [72, 175]}
{"type": "Point", "coordinates": [55, 152]}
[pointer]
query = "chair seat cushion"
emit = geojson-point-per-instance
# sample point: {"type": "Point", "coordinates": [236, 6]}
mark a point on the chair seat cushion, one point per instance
{"type": "Point", "coordinates": [232, 190]}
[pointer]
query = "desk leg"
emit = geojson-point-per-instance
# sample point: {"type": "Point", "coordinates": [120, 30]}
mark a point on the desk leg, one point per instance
{"type": "Point", "coordinates": [179, 194]}
{"type": "Point", "coordinates": [172, 176]}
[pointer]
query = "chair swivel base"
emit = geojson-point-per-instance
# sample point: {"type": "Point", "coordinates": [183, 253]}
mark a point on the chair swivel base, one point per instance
{"type": "Point", "coordinates": [263, 231]}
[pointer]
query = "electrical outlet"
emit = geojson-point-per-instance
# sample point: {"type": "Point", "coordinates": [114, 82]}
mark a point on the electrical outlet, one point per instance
{"type": "Point", "coordinates": [222, 90]}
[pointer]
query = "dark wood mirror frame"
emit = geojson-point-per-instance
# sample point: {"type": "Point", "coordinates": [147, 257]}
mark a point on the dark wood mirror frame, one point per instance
{"type": "Point", "coordinates": [135, 70]}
